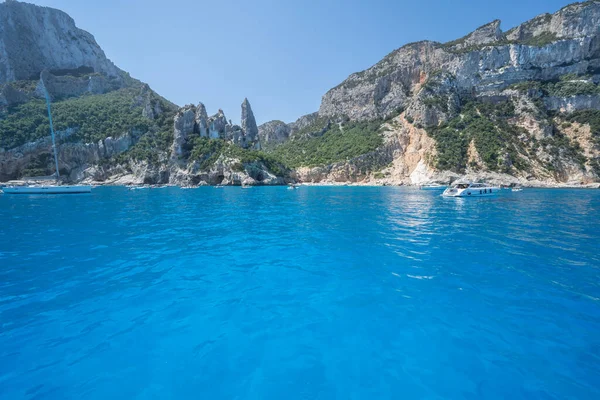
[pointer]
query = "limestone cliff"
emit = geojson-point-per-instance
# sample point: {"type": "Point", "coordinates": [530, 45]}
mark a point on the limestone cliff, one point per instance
{"type": "Point", "coordinates": [273, 133]}
{"type": "Point", "coordinates": [33, 39]}
{"type": "Point", "coordinates": [492, 102]}
{"type": "Point", "coordinates": [484, 61]}
{"type": "Point", "coordinates": [111, 128]}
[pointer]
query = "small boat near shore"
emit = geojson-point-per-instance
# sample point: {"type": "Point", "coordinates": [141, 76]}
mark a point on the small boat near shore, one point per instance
{"type": "Point", "coordinates": [471, 190]}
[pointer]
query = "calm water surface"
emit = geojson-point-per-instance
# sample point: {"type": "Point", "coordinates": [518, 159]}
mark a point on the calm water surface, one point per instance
{"type": "Point", "coordinates": [319, 293]}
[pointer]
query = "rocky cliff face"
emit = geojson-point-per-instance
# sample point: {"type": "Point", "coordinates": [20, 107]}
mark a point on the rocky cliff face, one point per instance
{"type": "Point", "coordinates": [249, 126]}
{"type": "Point", "coordinates": [193, 121]}
{"type": "Point", "coordinates": [273, 133]}
{"type": "Point", "coordinates": [111, 127]}
{"type": "Point", "coordinates": [434, 93]}
{"type": "Point", "coordinates": [33, 39]}
{"type": "Point", "coordinates": [486, 60]}
{"type": "Point", "coordinates": [483, 62]}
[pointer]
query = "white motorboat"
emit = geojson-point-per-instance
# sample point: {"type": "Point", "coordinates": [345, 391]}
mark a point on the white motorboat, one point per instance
{"type": "Point", "coordinates": [33, 185]}
{"type": "Point", "coordinates": [432, 187]}
{"type": "Point", "coordinates": [471, 190]}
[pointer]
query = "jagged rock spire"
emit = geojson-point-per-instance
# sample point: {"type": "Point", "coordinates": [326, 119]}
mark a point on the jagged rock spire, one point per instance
{"type": "Point", "coordinates": [249, 123]}
{"type": "Point", "coordinates": [183, 126]}
{"type": "Point", "coordinates": [201, 120]}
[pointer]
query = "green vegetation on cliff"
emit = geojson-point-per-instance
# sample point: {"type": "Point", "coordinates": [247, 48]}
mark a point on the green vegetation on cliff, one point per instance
{"type": "Point", "coordinates": [150, 146]}
{"type": "Point", "coordinates": [541, 40]}
{"type": "Point", "coordinates": [330, 142]}
{"type": "Point", "coordinates": [485, 124]}
{"type": "Point", "coordinates": [568, 86]}
{"type": "Point", "coordinates": [95, 117]}
{"type": "Point", "coordinates": [504, 147]}
{"type": "Point", "coordinates": [207, 152]}
{"type": "Point", "coordinates": [589, 117]}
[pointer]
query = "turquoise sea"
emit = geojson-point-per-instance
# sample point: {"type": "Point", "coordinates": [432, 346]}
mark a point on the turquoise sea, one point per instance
{"type": "Point", "coordinates": [318, 293]}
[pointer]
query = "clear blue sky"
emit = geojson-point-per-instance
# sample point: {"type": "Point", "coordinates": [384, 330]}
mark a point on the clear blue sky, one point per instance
{"type": "Point", "coordinates": [283, 55]}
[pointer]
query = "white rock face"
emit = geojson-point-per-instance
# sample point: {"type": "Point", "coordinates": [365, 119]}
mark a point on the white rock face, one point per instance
{"type": "Point", "coordinates": [276, 132]}
{"type": "Point", "coordinates": [487, 34]}
{"type": "Point", "coordinates": [574, 103]}
{"type": "Point", "coordinates": [34, 38]}
{"type": "Point", "coordinates": [183, 127]}
{"type": "Point", "coordinates": [202, 120]}
{"type": "Point", "coordinates": [485, 61]}
{"type": "Point", "coordinates": [194, 120]}
{"type": "Point", "coordinates": [112, 146]}
{"type": "Point", "coordinates": [216, 125]}
{"type": "Point", "coordinates": [249, 123]}
{"type": "Point", "coordinates": [273, 132]}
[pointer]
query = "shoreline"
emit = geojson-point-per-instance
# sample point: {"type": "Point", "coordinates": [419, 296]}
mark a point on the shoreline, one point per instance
{"type": "Point", "coordinates": [594, 186]}
{"type": "Point", "coordinates": [524, 185]}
